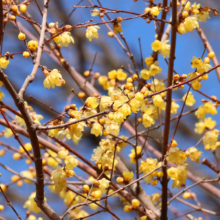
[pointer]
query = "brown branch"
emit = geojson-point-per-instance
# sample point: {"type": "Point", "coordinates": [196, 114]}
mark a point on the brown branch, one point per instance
{"type": "Point", "coordinates": [168, 109]}
{"type": "Point", "coordinates": [166, 34]}
{"type": "Point", "coordinates": [16, 173]}
{"type": "Point", "coordinates": [197, 208]}
{"type": "Point", "coordinates": [184, 190]}
{"type": "Point", "coordinates": [9, 203]}
{"type": "Point", "coordinates": [162, 25]}
{"type": "Point", "coordinates": [211, 165]}
{"type": "Point", "coordinates": [31, 128]}
{"type": "Point", "coordinates": [72, 122]}
{"type": "Point", "coordinates": [91, 169]}
{"type": "Point", "coordinates": [15, 135]}
{"type": "Point", "coordinates": [31, 77]}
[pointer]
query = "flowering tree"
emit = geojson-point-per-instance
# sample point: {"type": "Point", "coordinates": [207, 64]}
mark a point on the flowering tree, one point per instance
{"type": "Point", "coordinates": [118, 113]}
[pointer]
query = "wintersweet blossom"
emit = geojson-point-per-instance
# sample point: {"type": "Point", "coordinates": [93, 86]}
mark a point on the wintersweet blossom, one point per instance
{"type": "Point", "coordinates": [178, 175]}
{"type": "Point", "coordinates": [189, 99]}
{"type": "Point", "coordinates": [53, 78]}
{"type": "Point", "coordinates": [92, 32]}
{"type": "Point", "coordinates": [3, 63]}
{"type": "Point", "coordinates": [206, 108]}
{"type": "Point", "coordinates": [2, 95]}
{"type": "Point", "coordinates": [194, 154]}
{"type": "Point", "coordinates": [66, 39]}
{"type": "Point", "coordinates": [31, 205]}
{"type": "Point", "coordinates": [96, 129]}
{"type": "Point", "coordinates": [202, 125]}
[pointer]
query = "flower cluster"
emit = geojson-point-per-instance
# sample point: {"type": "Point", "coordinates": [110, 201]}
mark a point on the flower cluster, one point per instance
{"type": "Point", "coordinates": [60, 174]}
{"type": "Point", "coordinates": [191, 16]}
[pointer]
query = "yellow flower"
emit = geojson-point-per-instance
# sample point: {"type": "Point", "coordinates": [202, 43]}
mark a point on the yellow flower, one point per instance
{"type": "Point", "coordinates": [158, 85]}
{"type": "Point", "coordinates": [92, 32]}
{"type": "Point", "coordinates": [148, 120]}
{"type": "Point", "coordinates": [156, 45]}
{"type": "Point", "coordinates": [202, 16]}
{"type": "Point", "coordinates": [92, 102]}
{"type": "Point", "coordinates": [103, 80]}
{"type": "Point", "coordinates": [190, 101]}
{"type": "Point", "coordinates": [191, 23]}
{"type": "Point", "coordinates": [21, 36]}
{"type": "Point", "coordinates": [155, 69]}
{"type": "Point", "coordinates": [95, 12]}
{"type": "Point", "coordinates": [27, 146]}
{"type": "Point", "coordinates": [63, 153]}
{"type": "Point", "coordinates": [32, 45]}
{"type": "Point", "coordinates": [112, 127]}
{"type": "Point", "coordinates": [187, 195]}
{"type": "Point", "coordinates": [8, 133]}
{"type": "Point", "coordinates": [66, 39]}
{"type": "Point", "coordinates": [135, 203]}
{"type": "Point", "coordinates": [139, 96]}
{"type": "Point", "coordinates": [58, 176]}
{"type": "Point", "coordinates": [165, 49]}
{"type": "Point", "coordinates": [118, 117]}
{"type": "Point", "coordinates": [3, 63]}
{"type": "Point", "coordinates": [195, 83]}
{"type": "Point", "coordinates": [96, 129]}
{"type": "Point", "coordinates": [31, 205]}
{"type": "Point", "coordinates": [36, 118]}
{"type": "Point", "coordinates": [135, 153]}
{"type": "Point", "coordinates": [174, 107]}
{"type": "Point", "coordinates": [206, 108]}
{"type": "Point", "coordinates": [127, 208]}
{"type": "Point", "coordinates": [53, 78]}
{"type": "Point", "coordinates": [181, 28]}
{"type": "Point", "coordinates": [202, 125]}
{"type": "Point", "coordinates": [176, 156]}
{"type": "Point", "coordinates": [211, 137]}
{"type": "Point", "coordinates": [135, 105]}
{"type": "Point", "coordinates": [20, 121]}
{"type": "Point", "coordinates": [199, 64]}
{"type": "Point", "coordinates": [148, 166]}
{"type": "Point", "coordinates": [155, 197]}
{"type": "Point", "coordinates": [187, 6]}
{"type": "Point", "coordinates": [155, 11]}
{"type": "Point", "coordinates": [149, 60]}
{"type": "Point", "coordinates": [145, 74]}
{"type": "Point", "coordinates": [104, 153]}
{"type": "Point", "coordinates": [28, 174]}
{"type": "Point", "coordinates": [112, 74]}
{"type": "Point", "coordinates": [194, 8]}
{"type": "Point", "coordinates": [125, 110]}
{"type": "Point", "coordinates": [194, 154]}
{"type": "Point", "coordinates": [121, 75]}
{"type": "Point", "coordinates": [2, 95]}
{"type": "Point", "coordinates": [2, 208]}
{"type": "Point", "coordinates": [57, 39]}
{"type": "Point", "coordinates": [69, 173]}
{"type": "Point", "coordinates": [52, 162]}
{"type": "Point", "coordinates": [178, 175]}
{"type": "Point", "coordinates": [128, 175]}
{"type": "Point", "coordinates": [159, 102]}
{"type": "Point", "coordinates": [105, 103]}
{"type": "Point", "coordinates": [104, 183]}
{"type": "Point", "coordinates": [74, 131]}
{"type": "Point", "coordinates": [70, 162]}
{"type": "Point", "coordinates": [117, 28]}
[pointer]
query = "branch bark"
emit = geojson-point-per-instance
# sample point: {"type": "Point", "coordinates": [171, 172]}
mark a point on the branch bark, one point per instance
{"type": "Point", "coordinates": [168, 109]}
